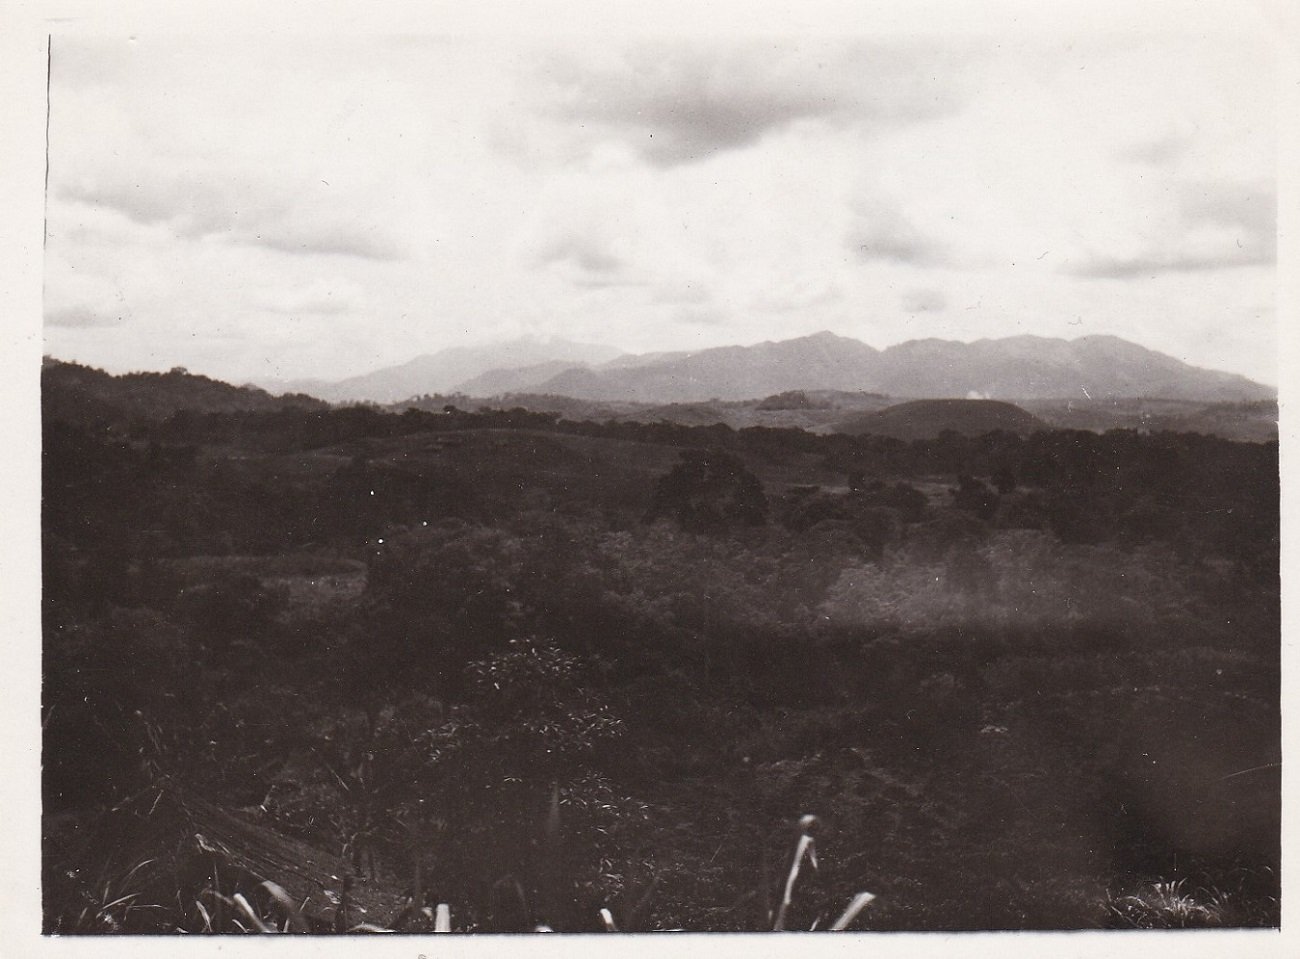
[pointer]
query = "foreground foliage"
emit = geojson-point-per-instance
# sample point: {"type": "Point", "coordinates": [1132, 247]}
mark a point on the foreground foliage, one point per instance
{"type": "Point", "coordinates": [535, 669]}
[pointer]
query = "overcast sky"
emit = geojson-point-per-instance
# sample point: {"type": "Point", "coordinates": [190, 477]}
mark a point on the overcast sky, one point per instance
{"type": "Point", "coordinates": [273, 209]}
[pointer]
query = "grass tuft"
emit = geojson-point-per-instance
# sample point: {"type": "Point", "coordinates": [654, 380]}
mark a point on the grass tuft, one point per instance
{"type": "Point", "coordinates": [1168, 905]}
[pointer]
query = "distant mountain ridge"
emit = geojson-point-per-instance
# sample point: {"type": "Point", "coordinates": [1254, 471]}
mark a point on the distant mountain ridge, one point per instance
{"type": "Point", "coordinates": [1035, 367]}
{"type": "Point", "coordinates": [73, 393]}
{"type": "Point", "coordinates": [821, 361]}
{"type": "Point", "coordinates": [1014, 368]}
{"type": "Point", "coordinates": [444, 371]}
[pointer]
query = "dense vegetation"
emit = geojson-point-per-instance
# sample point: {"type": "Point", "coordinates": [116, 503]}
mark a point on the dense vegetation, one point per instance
{"type": "Point", "coordinates": [548, 666]}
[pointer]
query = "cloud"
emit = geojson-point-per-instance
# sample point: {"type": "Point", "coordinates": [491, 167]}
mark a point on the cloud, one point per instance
{"type": "Point", "coordinates": [1116, 269]}
{"type": "Point", "coordinates": [81, 317]}
{"type": "Point", "coordinates": [1163, 151]}
{"type": "Point", "coordinates": [144, 206]}
{"type": "Point", "coordinates": [1249, 206]}
{"type": "Point", "coordinates": [85, 298]}
{"type": "Point", "coordinates": [597, 282]}
{"type": "Point", "coordinates": [798, 295]}
{"type": "Point", "coordinates": [585, 254]}
{"type": "Point", "coordinates": [925, 300]}
{"type": "Point", "coordinates": [681, 292]}
{"type": "Point", "coordinates": [239, 210]}
{"type": "Point", "coordinates": [322, 298]}
{"type": "Point", "coordinates": [682, 103]}
{"type": "Point", "coordinates": [336, 239]}
{"type": "Point", "coordinates": [586, 262]}
{"type": "Point", "coordinates": [882, 232]}
{"type": "Point", "coordinates": [1218, 226]}
{"type": "Point", "coordinates": [701, 316]}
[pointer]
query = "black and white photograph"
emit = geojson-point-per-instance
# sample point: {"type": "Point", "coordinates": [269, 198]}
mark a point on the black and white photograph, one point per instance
{"type": "Point", "coordinates": [628, 481]}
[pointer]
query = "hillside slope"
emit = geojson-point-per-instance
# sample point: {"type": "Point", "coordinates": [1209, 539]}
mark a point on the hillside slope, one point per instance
{"type": "Point", "coordinates": [921, 419]}
{"type": "Point", "coordinates": [81, 394]}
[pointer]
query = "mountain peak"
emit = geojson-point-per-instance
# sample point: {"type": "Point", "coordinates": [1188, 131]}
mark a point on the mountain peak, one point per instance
{"type": "Point", "coordinates": [826, 336]}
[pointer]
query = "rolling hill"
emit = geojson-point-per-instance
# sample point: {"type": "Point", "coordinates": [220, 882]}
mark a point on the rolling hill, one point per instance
{"type": "Point", "coordinates": [921, 419]}
{"type": "Point", "coordinates": [82, 394]}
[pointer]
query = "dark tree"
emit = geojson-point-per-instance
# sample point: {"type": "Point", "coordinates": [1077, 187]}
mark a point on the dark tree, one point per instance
{"type": "Point", "coordinates": [1005, 480]}
{"type": "Point", "coordinates": [976, 496]}
{"type": "Point", "coordinates": [709, 490]}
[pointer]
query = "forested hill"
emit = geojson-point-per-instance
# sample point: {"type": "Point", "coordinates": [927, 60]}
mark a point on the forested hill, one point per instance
{"type": "Point", "coordinates": [81, 394]}
{"type": "Point", "coordinates": [922, 418]}
{"type": "Point", "coordinates": [1099, 483]}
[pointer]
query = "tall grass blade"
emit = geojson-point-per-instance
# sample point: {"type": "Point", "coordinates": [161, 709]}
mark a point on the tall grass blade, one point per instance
{"type": "Point", "coordinates": [293, 912]}
{"type": "Point", "coordinates": [765, 887]}
{"type": "Point", "coordinates": [509, 906]}
{"type": "Point", "coordinates": [242, 904]}
{"type": "Point", "coordinates": [551, 898]}
{"type": "Point", "coordinates": [220, 906]}
{"type": "Point", "coordinates": [220, 902]}
{"type": "Point", "coordinates": [134, 869]}
{"type": "Point", "coordinates": [855, 906]}
{"type": "Point", "coordinates": [553, 818]}
{"type": "Point", "coordinates": [632, 918]}
{"type": "Point", "coordinates": [805, 849]}
{"type": "Point", "coordinates": [341, 910]}
{"type": "Point", "coordinates": [119, 901]}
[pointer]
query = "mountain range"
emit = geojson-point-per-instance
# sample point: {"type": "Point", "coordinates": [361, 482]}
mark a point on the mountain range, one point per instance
{"type": "Point", "coordinates": [1013, 368]}
{"type": "Point", "coordinates": [73, 393]}
{"type": "Point", "coordinates": [446, 370]}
